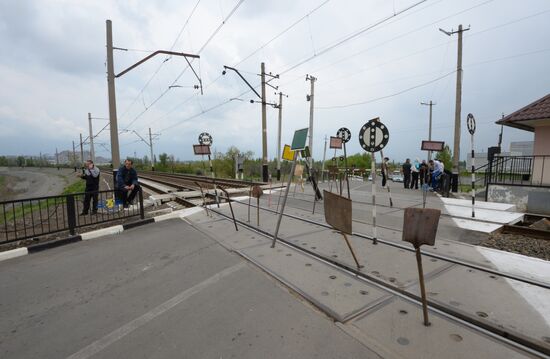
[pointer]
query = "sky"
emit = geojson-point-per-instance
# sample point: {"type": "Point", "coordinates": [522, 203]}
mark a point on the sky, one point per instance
{"type": "Point", "coordinates": [371, 58]}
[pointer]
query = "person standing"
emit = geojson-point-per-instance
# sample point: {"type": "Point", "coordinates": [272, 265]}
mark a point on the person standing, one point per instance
{"type": "Point", "coordinates": [406, 170]}
{"type": "Point", "coordinates": [423, 173]}
{"type": "Point", "coordinates": [385, 171]}
{"type": "Point", "coordinates": [91, 175]}
{"type": "Point", "coordinates": [127, 182]}
{"type": "Point", "coordinates": [438, 168]}
{"type": "Point", "coordinates": [415, 168]}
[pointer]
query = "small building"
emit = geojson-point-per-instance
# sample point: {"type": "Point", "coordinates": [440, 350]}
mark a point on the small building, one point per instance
{"type": "Point", "coordinates": [524, 179]}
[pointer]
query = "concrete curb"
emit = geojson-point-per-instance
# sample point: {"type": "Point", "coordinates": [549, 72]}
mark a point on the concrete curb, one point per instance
{"type": "Point", "coordinates": [39, 247]}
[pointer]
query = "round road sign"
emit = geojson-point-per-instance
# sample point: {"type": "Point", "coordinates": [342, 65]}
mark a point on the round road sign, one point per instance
{"type": "Point", "coordinates": [374, 136]}
{"type": "Point", "coordinates": [205, 139]}
{"type": "Point", "coordinates": [344, 134]}
{"type": "Point", "coordinates": [471, 123]}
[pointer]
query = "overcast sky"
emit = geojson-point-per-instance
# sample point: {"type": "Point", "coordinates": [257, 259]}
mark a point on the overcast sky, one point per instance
{"type": "Point", "coordinates": [52, 70]}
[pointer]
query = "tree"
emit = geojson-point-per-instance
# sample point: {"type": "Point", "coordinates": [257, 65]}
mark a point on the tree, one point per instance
{"type": "Point", "coordinates": [163, 157]}
{"type": "Point", "coordinates": [445, 156]}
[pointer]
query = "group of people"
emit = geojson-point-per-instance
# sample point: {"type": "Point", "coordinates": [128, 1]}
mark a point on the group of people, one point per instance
{"type": "Point", "coordinates": [424, 172]}
{"type": "Point", "coordinates": [127, 186]}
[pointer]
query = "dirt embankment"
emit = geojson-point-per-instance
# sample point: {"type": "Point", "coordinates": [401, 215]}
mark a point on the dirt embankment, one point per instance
{"type": "Point", "coordinates": [18, 183]}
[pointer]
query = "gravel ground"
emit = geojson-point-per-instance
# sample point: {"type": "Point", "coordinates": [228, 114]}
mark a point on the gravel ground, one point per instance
{"type": "Point", "coordinates": [515, 243]}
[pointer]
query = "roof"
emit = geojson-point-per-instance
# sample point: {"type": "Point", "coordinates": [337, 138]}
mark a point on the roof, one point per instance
{"type": "Point", "coordinates": [530, 116]}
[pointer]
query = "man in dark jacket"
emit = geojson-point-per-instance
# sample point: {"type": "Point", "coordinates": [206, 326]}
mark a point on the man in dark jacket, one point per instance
{"type": "Point", "coordinates": [406, 170]}
{"type": "Point", "coordinates": [127, 181]}
{"type": "Point", "coordinates": [91, 175]}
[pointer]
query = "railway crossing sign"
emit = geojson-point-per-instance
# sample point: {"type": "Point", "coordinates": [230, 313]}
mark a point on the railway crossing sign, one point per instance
{"type": "Point", "coordinates": [344, 134]}
{"type": "Point", "coordinates": [374, 135]}
{"type": "Point", "coordinates": [205, 139]}
{"type": "Point", "coordinates": [201, 149]}
{"type": "Point", "coordinates": [288, 154]}
{"type": "Point", "coordinates": [471, 123]}
{"type": "Point", "coordinates": [335, 142]}
{"type": "Point", "coordinates": [299, 139]}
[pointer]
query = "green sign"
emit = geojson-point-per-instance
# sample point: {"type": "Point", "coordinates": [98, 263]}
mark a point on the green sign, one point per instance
{"type": "Point", "coordinates": [299, 140]}
{"type": "Point", "coordinates": [305, 152]}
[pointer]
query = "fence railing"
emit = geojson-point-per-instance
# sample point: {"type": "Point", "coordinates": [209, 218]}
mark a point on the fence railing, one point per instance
{"type": "Point", "coordinates": [35, 217]}
{"type": "Point", "coordinates": [519, 170]}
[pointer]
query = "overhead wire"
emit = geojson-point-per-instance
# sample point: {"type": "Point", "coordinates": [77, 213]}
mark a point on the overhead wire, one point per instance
{"type": "Point", "coordinates": [187, 67]}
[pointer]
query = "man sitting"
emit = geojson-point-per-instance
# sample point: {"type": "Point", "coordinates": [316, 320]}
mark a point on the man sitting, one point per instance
{"type": "Point", "coordinates": [438, 168]}
{"type": "Point", "coordinates": [127, 181]}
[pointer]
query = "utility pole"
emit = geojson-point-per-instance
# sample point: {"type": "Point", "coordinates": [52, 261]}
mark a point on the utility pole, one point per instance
{"type": "Point", "coordinates": [431, 104]}
{"type": "Point", "coordinates": [74, 157]}
{"type": "Point", "coordinates": [151, 148]}
{"type": "Point", "coordinates": [81, 150]}
{"type": "Point", "coordinates": [115, 153]}
{"type": "Point", "coordinates": [324, 159]}
{"type": "Point", "coordinates": [458, 106]}
{"type": "Point", "coordinates": [280, 106]}
{"type": "Point", "coordinates": [262, 97]}
{"type": "Point", "coordinates": [92, 151]}
{"type": "Point", "coordinates": [312, 80]}
{"type": "Point", "coordinates": [265, 169]}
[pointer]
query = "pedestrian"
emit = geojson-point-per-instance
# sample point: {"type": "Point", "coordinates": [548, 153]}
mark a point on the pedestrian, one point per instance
{"type": "Point", "coordinates": [91, 174]}
{"type": "Point", "coordinates": [384, 168]}
{"type": "Point", "coordinates": [127, 181]}
{"type": "Point", "coordinates": [437, 167]}
{"type": "Point", "coordinates": [423, 173]}
{"type": "Point", "coordinates": [415, 168]}
{"type": "Point", "coordinates": [406, 170]}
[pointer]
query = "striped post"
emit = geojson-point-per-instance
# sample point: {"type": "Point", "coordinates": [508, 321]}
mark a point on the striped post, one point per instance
{"type": "Point", "coordinates": [373, 172]}
{"type": "Point", "coordinates": [473, 179]}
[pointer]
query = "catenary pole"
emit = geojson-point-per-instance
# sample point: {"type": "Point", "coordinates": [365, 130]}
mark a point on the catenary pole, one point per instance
{"type": "Point", "coordinates": [151, 148]}
{"type": "Point", "coordinates": [265, 175]}
{"type": "Point", "coordinates": [92, 151]}
{"type": "Point", "coordinates": [312, 80]}
{"type": "Point", "coordinates": [115, 154]}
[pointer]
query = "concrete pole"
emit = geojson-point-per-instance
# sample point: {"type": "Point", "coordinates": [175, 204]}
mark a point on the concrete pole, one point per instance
{"type": "Point", "coordinates": [279, 136]}
{"type": "Point", "coordinates": [431, 104]}
{"type": "Point", "coordinates": [311, 98]}
{"type": "Point", "coordinates": [458, 108]}
{"type": "Point", "coordinates": [92, 151]}
{"type": "Point", "coordinates": [115, 154]}
{"type": "Point", "coordinates": [265, 169]}
{"type": "Point", "coordinates": [74, 157]}
{"type": "Point", "coordinates": [81, 150]}
{"type": "Point", "coordinates": [151, 148]}
{"type": "Point", "coordinates": [324, 159]}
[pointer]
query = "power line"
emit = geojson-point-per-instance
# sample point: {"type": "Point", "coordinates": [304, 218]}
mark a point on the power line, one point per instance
{"type": "Point", "coordinates": [162, 63]}
{"type": "Point", "coordinates": [387, 96]}
{"type": "Point", "coordinates": [185, 69]}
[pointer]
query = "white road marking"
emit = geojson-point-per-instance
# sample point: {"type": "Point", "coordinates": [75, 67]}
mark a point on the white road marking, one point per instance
{"type": "Point", "coordinates": [129, 327]}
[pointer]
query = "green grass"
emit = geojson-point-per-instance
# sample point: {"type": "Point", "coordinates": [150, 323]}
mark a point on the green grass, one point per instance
{"type": "Point", "coordinates": [76, 187]}
{"type": "Point", "coordinates": [2, 180]}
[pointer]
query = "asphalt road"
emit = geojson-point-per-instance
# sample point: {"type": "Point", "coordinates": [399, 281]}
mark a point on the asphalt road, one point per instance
{"type": "Point", "coordinates": [164, 290]}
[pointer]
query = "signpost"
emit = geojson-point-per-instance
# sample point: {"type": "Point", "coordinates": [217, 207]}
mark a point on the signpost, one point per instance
{"type": "Point", "coordinates": [433, 146]}
{"type": "Point", "coordinates": [298, 143]}
{"type": "Point", "coordinates": [345, 135]}
{"type": "Point", "coordinates": [336, 143]}
{"type": "Point", "coordinates": [373, 137]}
{"type": "Point", "coordinates": [420, 227]}
{"type": "Point", "coordinates": [206, 139]}
{"type": "Point", "coordinates": [257, 192]}
{"type": "Point", "coordinates": [471, 123]}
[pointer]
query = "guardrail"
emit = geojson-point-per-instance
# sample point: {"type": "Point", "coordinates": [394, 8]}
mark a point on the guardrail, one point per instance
{"type": "Point", "coordinates": [35, 217]}
{"type": "Point", "coordinates": [533, 171]}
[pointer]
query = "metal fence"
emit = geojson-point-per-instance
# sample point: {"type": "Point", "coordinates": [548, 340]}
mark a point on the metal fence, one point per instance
{"type": "Point", "coordinates": [531, 171]}
{"type": "Point", "coordinates": [35, 217]}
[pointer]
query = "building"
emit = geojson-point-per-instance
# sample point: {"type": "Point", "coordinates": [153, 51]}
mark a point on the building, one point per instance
{"type": "Point", "coordinates": [522, 148]}
{"type": "Point", "coordinates": [524, 179]}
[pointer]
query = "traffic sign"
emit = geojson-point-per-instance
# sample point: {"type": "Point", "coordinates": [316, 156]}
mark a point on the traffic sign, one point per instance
{"type": "Point", "coordinates": [374, 136]}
